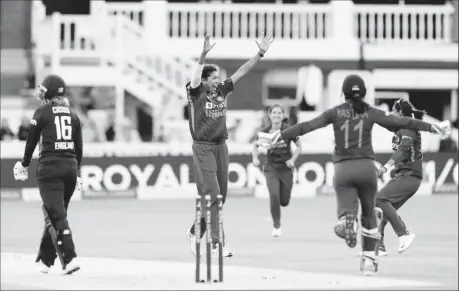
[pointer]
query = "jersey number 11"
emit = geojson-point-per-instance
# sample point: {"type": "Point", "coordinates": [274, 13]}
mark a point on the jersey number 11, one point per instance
{"type": "Point", "coordinates": [63, 127]}
{"type": "Point", "coordinates": [358, 127]}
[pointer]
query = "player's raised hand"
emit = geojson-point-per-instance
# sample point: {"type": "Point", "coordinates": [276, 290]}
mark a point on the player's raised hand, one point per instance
{"type": "Point", "coordinates": [207, 45]}
{"type": "Point", "coordinates": [265, 43]}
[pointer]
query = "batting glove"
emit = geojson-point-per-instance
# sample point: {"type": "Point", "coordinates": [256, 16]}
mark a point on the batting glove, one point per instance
{"type": "Point", "coordinates": [20, 172]}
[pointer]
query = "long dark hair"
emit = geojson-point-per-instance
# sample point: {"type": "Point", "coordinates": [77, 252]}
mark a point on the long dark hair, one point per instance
{"type": "Point", "coordinates": [407, 109]}
{"type": "Point", "coordinates": [285, 120]}
{"type": "Point", "coordinates": [354, 91]}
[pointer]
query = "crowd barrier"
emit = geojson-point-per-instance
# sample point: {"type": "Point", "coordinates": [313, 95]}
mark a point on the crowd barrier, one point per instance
{"type": "Point", "coordinates": [170, 176]}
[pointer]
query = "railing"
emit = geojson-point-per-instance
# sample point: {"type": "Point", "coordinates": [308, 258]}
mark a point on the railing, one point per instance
{"type": "Point", "coordinates": [239, 21]}
{"type": "Point", "coordinates": [403, 23]}
{"type": "Point", "coordinates": [336, 21]}
{"type": "Point", "coordinates": [76, 38]}
{"type": "Point", "coordinates": [372, 23]}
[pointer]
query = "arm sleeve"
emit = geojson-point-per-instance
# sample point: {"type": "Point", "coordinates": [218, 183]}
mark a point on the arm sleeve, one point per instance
{"type": "Point", "coordinates": [227, 87]}
{"type": "Point", "coordinates": [393, 122]}
{"type": "Point", "coordinates": [293, 132]}
{"type": "Point", "coordinates": [78, 140]}
{"type": "Point", "coordinates": [192, 93]}
{"type": "Point", "coordinates": [407, 138]}
{"type": "Point", "coordinates": [196, 75]}
{"type": "Point", "coordinates": [33, 138]}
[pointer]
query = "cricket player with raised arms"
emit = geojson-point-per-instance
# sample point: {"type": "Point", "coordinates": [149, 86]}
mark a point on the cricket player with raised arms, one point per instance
{"type": "Point", "coordinates": [207, 110]}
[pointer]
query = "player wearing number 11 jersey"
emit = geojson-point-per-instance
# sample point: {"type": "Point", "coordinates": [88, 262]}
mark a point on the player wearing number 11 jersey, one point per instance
{"type": "Point", "coordinates": [355, 173]}
{"type": "Point", "coordinates": [57, 127]}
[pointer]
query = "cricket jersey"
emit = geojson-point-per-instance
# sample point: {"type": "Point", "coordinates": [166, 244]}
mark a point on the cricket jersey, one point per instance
{"type": "Point", "coordinates": [279, 152]}
{"type": "Point", "coordinates": [407, 155]}
{"type": "Point", "coordinates": [58, 130]}
{"type": "Point", "coordinates": [353, 131]}
{"type": "Point", "coordinates": [207, 112]}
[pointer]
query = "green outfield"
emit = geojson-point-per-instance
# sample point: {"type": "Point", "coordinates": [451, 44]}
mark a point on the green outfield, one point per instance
{"type": "Point", "coordinates": [130, 244]}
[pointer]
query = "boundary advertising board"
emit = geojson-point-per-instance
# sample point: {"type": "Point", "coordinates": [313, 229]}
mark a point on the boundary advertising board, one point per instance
{"type": "Point", "coordinates": [163, 177]}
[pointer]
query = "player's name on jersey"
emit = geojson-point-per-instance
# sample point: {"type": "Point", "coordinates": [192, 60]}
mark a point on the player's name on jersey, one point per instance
{"type": "Point", "coordinates": [347, 113]}
{"type": "Point", "coordinates": [60, 109]}
{"type": "Point", "coordinates": [64, 145]}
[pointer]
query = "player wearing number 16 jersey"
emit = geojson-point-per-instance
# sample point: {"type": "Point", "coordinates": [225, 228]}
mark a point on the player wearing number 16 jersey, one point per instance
{"type": "Point", "coordinates": [355, 173]}
{"type": "Point", "coordinates": [57, 127]}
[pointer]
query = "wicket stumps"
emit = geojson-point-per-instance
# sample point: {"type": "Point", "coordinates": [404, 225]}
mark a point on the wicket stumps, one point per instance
{"type": "Point", "coordinates": [207, 213]}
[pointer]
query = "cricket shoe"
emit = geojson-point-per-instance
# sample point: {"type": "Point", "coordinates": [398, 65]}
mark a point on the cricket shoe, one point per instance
{"type": "Point", "coordinates": [192, 239]}
{"type": "Point", "coordinates": [277, 232]}
{"type": "Point", "coordinates": [405, 241]}
{"type": "Point", "coordinates": [369, 264]}
{"type": "Point", "coordinates": [71, 267]}
{"type": "Point", "coordinates": [42, 267]}
{"type": "Point", "coordinates": [346, 228]}
{"type": "Point", "coordinates": [226, 253]}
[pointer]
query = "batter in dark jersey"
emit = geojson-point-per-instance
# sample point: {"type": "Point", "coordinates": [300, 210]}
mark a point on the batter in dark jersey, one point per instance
{"type": "Point", "coordinates": [355, 176]}
{"type": "Point", "coordinates": [58, 130]}
{"type": "Point", "coordinates": [407, 160]}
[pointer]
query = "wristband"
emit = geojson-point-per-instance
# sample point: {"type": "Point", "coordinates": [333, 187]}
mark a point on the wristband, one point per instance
{"type": "Point", "coordinates": [261, 54]}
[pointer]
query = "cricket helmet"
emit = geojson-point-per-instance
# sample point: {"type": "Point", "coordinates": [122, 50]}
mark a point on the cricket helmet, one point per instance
{"type": "Point", "coordinates": [52, 86]}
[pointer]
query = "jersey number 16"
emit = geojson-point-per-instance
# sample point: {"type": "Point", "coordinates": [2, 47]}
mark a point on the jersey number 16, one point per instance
{"type": "Point", "coordinates": [63, 127]}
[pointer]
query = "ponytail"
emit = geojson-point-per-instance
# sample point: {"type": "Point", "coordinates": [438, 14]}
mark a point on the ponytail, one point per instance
{"type": "Point", "coordinates": [358, 104]}
{"type": "Point", "coordinates": [408, 109]}
{"type": "Point", "coordinates": [418, 114]}
{"type": "Point", "coordinates": [60, 101]}
{"type": "Point", "coordinates": [354, 90]}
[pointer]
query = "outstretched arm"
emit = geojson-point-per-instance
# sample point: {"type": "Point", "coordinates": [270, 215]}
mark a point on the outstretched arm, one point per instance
{"type": "Point", "coordinates": [296, 130]}
{"type": "Point", "coordinates": [196, 74]}
{"type": "Point", "coordinates": [247, 67]}
{"type": "Point", "coordinates": [393, 122]}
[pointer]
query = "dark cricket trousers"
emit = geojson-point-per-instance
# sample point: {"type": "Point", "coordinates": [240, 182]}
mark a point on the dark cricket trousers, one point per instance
{"type": "Point", "coordinates": [392, 196]}
{"type": "Point", "coordinates": [279, 180]}
{"type": "Point", "coordinates": [211, 163]}
{"type": "Point", "coordinates": [356, 180]}
{"type": "Point", "coordinates": [56, 183]}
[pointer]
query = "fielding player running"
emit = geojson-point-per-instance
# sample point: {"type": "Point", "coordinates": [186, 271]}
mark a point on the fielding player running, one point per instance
{"type": "Point", "coordinates": [58, 129]}
{"type": "Point", "coordinates": [407, 159]}
{"type": "Point", "coordinates": [207, 111]}
{"type": "Point", "coordinates": [355, 175]}
{"type": "Point", "coordinates": [279, 166]}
